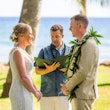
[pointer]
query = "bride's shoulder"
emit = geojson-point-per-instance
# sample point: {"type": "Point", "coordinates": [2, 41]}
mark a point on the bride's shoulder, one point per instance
{"type": "Point", "coordinates": [14, 49]}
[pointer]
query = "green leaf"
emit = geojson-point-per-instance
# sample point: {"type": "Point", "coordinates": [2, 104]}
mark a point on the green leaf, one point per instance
{"type": "Point", "coordinates": [99, 35]}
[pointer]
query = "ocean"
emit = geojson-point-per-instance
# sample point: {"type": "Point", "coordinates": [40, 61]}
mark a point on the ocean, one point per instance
{"type": "Point", "coordinates": [101, 25]}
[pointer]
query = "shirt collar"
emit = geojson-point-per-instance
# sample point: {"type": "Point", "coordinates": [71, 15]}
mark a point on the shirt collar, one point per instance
{"type": "Point", "coordinates": [84, 34]}
{"type": "Point", "coordinates": [61, 48]}
{"type": "Point", "coordinates": [82, 37]}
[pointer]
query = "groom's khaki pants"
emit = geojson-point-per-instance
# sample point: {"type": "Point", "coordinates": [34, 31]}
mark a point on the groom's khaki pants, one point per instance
{"type": "Point", "coordinates": [54, 103]}
{"type": "Point", "coordinates": [79, 104]}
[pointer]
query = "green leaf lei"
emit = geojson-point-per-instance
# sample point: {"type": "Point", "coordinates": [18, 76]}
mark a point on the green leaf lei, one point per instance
{"type": "Point", "coordinates": [75, 43]}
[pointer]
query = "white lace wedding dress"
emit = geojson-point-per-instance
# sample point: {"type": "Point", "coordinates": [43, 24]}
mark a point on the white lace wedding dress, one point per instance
{"type": "Point", "coordinates": [21, 98]}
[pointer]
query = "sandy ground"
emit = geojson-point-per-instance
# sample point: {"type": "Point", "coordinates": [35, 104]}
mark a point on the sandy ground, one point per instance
{"type": "Point", "coordinates": [2, 65]}
{"type": "Point", "coordinates": [105, 63]}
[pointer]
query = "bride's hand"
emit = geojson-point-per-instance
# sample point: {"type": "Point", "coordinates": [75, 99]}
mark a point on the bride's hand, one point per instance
{"type": "Point", "coordinates": [38, 95]}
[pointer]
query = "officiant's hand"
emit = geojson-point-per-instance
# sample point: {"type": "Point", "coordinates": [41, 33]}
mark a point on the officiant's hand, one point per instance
{"type": "Point", "coordinates": [52, 67]}
{"type": "Point", "coordinates": [47, 69]}
{"type": "Point", "coordinates": [63, 69]}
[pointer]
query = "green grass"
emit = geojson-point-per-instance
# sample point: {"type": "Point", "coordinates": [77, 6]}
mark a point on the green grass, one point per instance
{"type": "Point", "coordinates": [102, 103]}
{"type": "Point", "coordinates": [103, 76]}
{"type": "Point", "coordinates": [5, 102]}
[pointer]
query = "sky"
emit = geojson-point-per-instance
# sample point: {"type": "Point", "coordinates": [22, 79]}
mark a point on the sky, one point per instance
{"type": "Point", "coordinates": [54, 8]}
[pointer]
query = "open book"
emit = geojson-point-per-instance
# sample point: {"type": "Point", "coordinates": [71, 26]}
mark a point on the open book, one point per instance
{"type": "Point", "coordinates": [61, 59]}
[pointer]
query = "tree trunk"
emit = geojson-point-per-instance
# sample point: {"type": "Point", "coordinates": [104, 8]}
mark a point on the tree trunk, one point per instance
{"type": "Point", "coordinates": [30, 15]}
{"type": "Point", "coordinates": [7, 85]}
{"type": "Point", "coordinates": [82, 6]}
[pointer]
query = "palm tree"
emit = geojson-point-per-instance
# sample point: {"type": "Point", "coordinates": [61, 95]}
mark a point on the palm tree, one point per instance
{"type": "Point", "coordinates": [82, 4]}
{"type": "Point", "coordinates": [30, 14]}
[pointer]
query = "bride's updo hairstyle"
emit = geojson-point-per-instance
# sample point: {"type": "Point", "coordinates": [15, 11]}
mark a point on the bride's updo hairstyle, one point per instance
{"type": "Point", "coordinates": [18, 31]}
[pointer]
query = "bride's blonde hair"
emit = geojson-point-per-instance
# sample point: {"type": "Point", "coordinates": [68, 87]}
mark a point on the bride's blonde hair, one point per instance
{"type": "Point", "coordinates": [19, 30]}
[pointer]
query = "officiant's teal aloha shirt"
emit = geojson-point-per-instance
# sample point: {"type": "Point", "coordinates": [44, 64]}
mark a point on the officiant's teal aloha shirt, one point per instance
{"type": "Point", "coordinates": [50, 83]}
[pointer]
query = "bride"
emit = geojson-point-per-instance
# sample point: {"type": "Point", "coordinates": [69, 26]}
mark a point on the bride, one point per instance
{"type": "Point", "coordinates": [21, 64]}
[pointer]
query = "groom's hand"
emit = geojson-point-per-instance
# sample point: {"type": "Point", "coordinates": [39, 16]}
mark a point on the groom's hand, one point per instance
{"type": "Point", "coordinates": [64, 89]}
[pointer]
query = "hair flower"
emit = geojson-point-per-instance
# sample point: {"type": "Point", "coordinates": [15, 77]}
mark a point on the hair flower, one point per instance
{"type": "Point", "coordinates": [13, 36]}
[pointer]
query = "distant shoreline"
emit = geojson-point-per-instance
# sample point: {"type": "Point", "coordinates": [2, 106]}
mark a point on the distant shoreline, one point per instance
{"type": "Point", "coordinates": [2, 65]}
{"type": "Point", "coordinates": [104, 63]}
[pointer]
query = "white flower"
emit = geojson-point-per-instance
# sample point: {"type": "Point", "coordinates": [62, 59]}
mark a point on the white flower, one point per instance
{"type": "Point", "coordinates": [13, 35]}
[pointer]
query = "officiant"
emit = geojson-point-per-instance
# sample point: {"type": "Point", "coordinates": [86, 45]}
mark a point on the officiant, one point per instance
{"type": "Point", "coordinates": [51, 76]}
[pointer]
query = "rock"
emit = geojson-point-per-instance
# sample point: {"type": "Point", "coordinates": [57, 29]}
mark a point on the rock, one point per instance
{"type": "Point", "coordinates": [105, 63]}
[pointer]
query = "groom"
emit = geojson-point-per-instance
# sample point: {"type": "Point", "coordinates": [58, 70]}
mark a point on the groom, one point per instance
{"type": "Point", "coordinates": [84, 78]}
